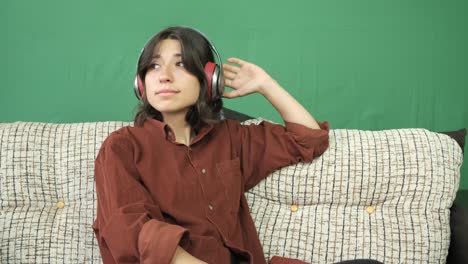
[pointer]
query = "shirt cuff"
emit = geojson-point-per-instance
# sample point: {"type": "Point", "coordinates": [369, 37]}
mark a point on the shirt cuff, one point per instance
{"type": "Point", "coordinates": [313, 141]}
{"type": "Point", "coordinates": [158, 241]}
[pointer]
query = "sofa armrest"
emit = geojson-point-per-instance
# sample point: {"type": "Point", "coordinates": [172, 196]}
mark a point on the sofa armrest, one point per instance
{"type": "Point", "coordinates": [459, 229]}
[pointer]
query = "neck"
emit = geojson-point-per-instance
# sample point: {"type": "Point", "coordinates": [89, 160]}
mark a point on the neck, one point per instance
{"type": "Point", "coordinates": [182, 130]}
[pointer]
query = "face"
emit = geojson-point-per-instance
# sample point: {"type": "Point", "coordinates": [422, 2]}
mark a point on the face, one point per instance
{"type": "Point", "coordinates": [170, 88]}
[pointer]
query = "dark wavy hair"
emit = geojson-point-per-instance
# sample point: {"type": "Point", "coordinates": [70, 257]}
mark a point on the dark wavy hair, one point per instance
{"type": "Point", "coordinates": [196, 52]}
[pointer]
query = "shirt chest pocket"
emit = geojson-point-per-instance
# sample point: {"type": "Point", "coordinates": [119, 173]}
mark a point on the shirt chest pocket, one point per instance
{"type": "Point", "coordinates": [229, 174]}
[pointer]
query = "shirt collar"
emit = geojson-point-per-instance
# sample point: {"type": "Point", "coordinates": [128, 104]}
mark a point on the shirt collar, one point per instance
{"type": "Point", "coordinates": [154, 124]}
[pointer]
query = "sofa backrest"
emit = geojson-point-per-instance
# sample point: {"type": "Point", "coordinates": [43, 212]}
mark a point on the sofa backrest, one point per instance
{"type": "Point", "coordinates": [382, 195]}
{"type": "Point", "coordinates": [373, 194]}
{"type": "Point", "coordinates": [48, 198]}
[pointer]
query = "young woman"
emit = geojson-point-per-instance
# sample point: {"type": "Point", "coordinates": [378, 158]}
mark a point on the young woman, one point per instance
{"type": "Point", "coordinates": [171, 188]}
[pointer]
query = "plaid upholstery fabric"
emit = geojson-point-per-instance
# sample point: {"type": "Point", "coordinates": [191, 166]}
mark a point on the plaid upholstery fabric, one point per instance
{"type": "Point", "coordinates": [409, 177]}
{"type": "Point", "coordinates": [42, 167]}
{"type": "Point", "coordinates": [382, 195]}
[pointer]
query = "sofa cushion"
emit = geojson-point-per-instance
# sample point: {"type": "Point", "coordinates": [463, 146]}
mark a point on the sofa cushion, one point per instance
{"type": "Point", "coordinates": [48, 200]}
{"type": "Point", "coordinates": [382, 195]}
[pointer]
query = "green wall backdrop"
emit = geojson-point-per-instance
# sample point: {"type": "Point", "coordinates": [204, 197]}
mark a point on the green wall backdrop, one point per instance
{"type": "Point", "coordinates": [364, 64]}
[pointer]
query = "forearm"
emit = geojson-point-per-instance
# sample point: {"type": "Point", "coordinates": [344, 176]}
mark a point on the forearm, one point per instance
{"type": "Point", "coordinates": [287, 106]}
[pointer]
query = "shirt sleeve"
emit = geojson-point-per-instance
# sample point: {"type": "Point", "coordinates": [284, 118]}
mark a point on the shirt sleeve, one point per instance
{"type": "Point", "coordinates": [267, 147]}
{"type": "Point", "coordinates": [129, 224]}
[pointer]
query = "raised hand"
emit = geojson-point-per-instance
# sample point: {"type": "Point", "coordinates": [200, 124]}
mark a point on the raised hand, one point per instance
{"type": "Point", "coordinates": [244, 78]}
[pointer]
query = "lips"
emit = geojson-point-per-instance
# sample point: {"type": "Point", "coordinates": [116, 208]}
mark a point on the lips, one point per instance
{"type": "Point", "coordinates": [166, 92]}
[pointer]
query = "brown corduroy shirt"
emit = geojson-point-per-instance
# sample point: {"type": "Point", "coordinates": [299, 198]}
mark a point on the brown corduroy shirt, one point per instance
{"type": "Point", "coordinates": [155, 194]}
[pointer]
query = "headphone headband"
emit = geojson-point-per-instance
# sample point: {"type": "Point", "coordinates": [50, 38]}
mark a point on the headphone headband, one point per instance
{"type": "Point", "coordinates": [214, 73]}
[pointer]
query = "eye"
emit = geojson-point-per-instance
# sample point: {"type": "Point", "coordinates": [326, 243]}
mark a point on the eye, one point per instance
{"type": "Point", "coordinates": [180, 64]}
{"type": "Point", "coordinates": [154, 66]}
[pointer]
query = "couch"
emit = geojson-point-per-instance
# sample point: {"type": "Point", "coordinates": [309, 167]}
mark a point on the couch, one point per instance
{"type": "Point", "coordinates": [386, 195]}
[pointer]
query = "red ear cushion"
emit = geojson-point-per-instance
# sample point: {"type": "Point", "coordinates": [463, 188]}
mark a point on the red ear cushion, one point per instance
{"type": "Point", "coordinates": [209, 70]}
{"type": "Point", "coordinates": [141, 87]}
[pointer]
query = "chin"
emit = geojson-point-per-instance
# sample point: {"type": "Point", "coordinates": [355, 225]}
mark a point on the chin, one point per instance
{"type": "Point", "coordinates": [172, 110]}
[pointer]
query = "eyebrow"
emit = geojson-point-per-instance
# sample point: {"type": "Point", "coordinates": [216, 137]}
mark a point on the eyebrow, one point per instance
{"type": "Point", "coordinates": [157, 56]}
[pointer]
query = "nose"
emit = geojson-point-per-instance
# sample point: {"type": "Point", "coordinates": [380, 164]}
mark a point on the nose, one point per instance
{"type": "Point", "coordinates": [165, 75]}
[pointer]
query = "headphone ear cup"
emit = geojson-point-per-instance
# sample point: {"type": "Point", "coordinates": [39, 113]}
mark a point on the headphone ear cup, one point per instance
{"type": "Point", "coordinates": [138, 87]}
{"type": "Point", "coordinates": [210, 68]}
{"type": "Point", "coordinates": [218, 82]}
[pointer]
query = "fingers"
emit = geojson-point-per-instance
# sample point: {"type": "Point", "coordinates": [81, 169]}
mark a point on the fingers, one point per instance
{"type": "Point", "coordinates": [231, 94]}
{"type": "Point", "coordinates": [228, 82]}
{"type": "Point", "coordinates": [229, 75]}
{"type": "Point", "coordinates": [230, 68]}
{"type": "Point", "coordinates": [236, 61]}
{"type": "Point", "coordinates": [230, 71]}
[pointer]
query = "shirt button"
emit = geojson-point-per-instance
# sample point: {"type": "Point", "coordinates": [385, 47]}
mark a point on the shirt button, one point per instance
{"type": "Point", "coordinates": [370, 209]}
{"type": "Point", "coordinates": [294, 208]}
{"type": "Point", "coordinates": [60, 204]}
{"type": "Point", "coordinates": [203, 171]}
{"type": "Point", "coordinates": [211, 207]}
